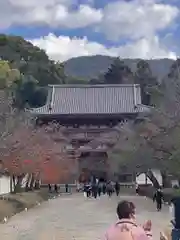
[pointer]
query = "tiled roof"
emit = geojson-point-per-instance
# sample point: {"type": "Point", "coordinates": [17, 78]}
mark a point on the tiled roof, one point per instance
{"type": "Point", "coordinates": [92, 99]}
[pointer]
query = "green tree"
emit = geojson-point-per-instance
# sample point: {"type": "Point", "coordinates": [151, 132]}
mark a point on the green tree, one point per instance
{"type": "Point", "coordinates": [98, 80]}
{"type": "Point", "coordinates": [75, 80]}
{"type": "Point", "coordinates": [118, 73]}
{"type": "Point", "coordinates": [28, 93]}
{"type": "Point", "coordinates": [175, 70]}
{"type": "Point", "coordinates": [144, 77]}
{"type": "Point", "coordinates": [61, 72]}
{"type": "Point", "coordinates": [30, 60]}
{"type": "Point", "coordinates": [7, 75]}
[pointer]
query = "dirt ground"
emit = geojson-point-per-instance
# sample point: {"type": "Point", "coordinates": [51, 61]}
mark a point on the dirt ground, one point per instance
{"type": "Point", "coordinates": [73, 217]}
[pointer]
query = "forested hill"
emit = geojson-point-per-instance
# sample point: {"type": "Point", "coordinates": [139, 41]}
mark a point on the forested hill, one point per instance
{"type": "Point", "coordinates": [29, 70]}
{"type": "Point", "coordinates": [29, 60]}
{"type": "Point", "coordinates": [91, 66]}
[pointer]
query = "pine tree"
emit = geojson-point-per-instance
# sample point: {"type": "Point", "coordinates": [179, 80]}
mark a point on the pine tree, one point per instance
{"type": "Point", "coordinates": [144, 77]}
{"type": "Point", "coordinates": [118, 73]}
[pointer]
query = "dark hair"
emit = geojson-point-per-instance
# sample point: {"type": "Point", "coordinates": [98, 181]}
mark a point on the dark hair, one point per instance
{"type": "Point", "coordinates": [125, 209]}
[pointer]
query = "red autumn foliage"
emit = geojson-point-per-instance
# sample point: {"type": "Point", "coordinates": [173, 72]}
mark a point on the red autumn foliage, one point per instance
{"type": "Point", "coordinates": [35, 151]}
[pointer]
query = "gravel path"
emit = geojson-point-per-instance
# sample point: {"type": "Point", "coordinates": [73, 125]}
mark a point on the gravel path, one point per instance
{"type": "Point", "coordinates": [72, 217]}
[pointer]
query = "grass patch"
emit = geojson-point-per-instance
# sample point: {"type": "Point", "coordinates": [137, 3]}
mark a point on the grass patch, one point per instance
{"type": "Point", "coordinates": [11, 204]}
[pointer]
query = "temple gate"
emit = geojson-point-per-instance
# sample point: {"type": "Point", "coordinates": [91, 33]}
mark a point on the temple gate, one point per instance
{"type": "Point", "coordinates": [88, 112]}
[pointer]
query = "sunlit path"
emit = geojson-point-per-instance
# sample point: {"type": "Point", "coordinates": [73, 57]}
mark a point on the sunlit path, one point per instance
{"type": "Point", "coordinates": [74, 217]}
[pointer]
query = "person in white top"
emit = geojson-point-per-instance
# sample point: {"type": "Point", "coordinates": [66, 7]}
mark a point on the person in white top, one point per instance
{"type": "Point", "coordinates": [137, 188]}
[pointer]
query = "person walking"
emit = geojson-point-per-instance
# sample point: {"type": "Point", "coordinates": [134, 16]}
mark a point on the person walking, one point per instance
{"type": "Point", "coordinates": [85, 190]}
{"type": "Point", "coordinates": [67, 187]}
{"type": "Point", "coordinates": [88, 190]}
{"type": "Point", "coordinates": [104, 188]}
{"type": "Point", "coordinates": [137, 189]}
{"type": "Point", "coordinates": [126, 228]}
{"type": "Point", "coordinates": [158, 198]}
{"type": "Point", "coordinates": [78, 187]}
{"type": "Point", "coordinates": [109, 189]}
{"type": "Point", "coordinates": [99, 189]}
{"type": "Point", "coordinates": [117, 188]}
{"type": "Point", "coordinates": [94, 190]}
{"type": "Point", "coordinates": [55, 188]}
{"type": "Point", "coordinates": [49, 186]}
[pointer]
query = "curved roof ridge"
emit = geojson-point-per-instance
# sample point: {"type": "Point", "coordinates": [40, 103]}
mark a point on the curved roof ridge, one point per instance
{"type": "Point", "coordinates": [93, 99]}
{"type": "Point", "coordinates": [92, 85]}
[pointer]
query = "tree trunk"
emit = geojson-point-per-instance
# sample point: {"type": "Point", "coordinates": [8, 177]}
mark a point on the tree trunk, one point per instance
{"type": "Point", "coordinates": [32, 182]}
{"type": "Point", "coordinates": [19, 183]}
{"type": "Point", "coordinates": [11, 184]}
{"type": "Point", "coordinates": [165, 180]}
{"type": "Point", "coordinates": [28, 182]}
{"type": "Point", "coordinates": [154, 181]}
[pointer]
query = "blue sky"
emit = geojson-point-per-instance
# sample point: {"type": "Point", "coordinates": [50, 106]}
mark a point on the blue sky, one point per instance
{"type": "Point", "coordinates": [70, 28]}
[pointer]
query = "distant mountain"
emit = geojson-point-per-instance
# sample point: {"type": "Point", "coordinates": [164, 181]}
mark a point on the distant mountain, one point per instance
{"type": "Point", "coordinates": [91, 66]}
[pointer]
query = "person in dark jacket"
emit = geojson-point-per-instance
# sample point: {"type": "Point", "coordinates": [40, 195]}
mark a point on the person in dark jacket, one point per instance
{"type": "Point", "coordinates": [88, 189]}
{"type": "Point", "coordinates": [55, 188]}
{"type": "Point", "coordinates": [158, 197]}
{"type": "Point", "coordinates": [67, 188]}
{"type": "Point", "coordinates": [117, 188]}
{"type": "Point", "coordinates": [49, 186]}
{"type": "Point", "coordinates": [104, 188]}
{"type": "Point", "coordinates": [94, 190]}
{"type": "Point", "coordinates": [99, 189]}
{"type": "Point", "coordinates": [109, 189]}
{"type": "Point", "coordinates": [175, 211]}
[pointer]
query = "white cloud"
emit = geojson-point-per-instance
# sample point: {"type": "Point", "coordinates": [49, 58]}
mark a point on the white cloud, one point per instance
{"type": "Point", "coordinates": [62, 48]}
{"type": "Point", "coordinates": [132, 19]}
{"type": "Point", "coordinates": [43, 3]}
{"type": "Point", "coordinates": [136, 19]}
{"type": "Point", "coordinates": [53, 13]}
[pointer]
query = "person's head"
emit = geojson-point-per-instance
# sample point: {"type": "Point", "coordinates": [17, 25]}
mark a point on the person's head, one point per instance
{"type": "Point", "coordinates": [126, 209]}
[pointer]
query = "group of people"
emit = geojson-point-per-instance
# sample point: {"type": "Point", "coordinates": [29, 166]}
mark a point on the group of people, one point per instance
{"type": "Point", "coordinates": [57, 188]}
{"type": "Point", "coordinates": [50, 187]}
{"type": "Point", "coordinates": [101, 188]}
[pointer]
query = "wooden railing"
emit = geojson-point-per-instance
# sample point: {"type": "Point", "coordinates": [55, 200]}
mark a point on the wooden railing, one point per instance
{"type": "Point", "coordinates": [93, 129]}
